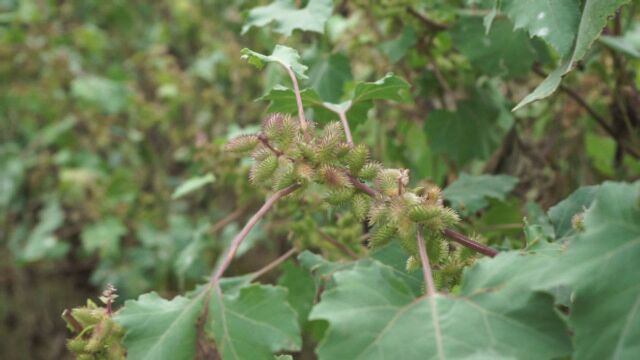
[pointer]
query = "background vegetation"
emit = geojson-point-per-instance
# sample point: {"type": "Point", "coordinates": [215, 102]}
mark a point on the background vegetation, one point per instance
{"type": "Point", "coordinates": [114, 116]}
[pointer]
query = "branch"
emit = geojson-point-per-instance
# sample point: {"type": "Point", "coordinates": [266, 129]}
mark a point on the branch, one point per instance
{"type": "Point", "coordinates": [473, 245]}
{"type": "Point", "coordinates": [431, 292]}
{"type": "Point", "coordinates": [430, 23]}
{"type": "Point", "coordinates": [274, 264]}
{"type": "Point", "coordinates": [338, 244]}
{"type": "Point", "coordinates": [235, 244]}
{"type": "Point", "coordinates": [66, 314]}
{"type": "Point", "coordinates": [296, 91]}
{"type": "Point", "coordinates": [597, 117]}
{"type": "Point", "coordinates": [362, 186]}
{"type": "Point", "coordinates": [227, 220]}
{"type": "Point", "coordinates": [451, 234]}
{"type": "Point", "coordinates": [263, 139]}
{"type": "Point", "coordinates": [345, 125]}
{"type": "Point", "coordinates": [426, 267]}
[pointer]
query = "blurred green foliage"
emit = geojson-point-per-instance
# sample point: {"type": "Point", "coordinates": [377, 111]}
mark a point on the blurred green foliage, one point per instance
{"type": "Point", "coordinates": [113, 115]}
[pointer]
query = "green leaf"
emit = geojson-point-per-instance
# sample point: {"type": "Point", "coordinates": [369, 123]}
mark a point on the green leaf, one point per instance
{"type": "Point", "coordinates": [192, 185]}
{"type": "Point", "coordinates": [502, 52]}
{"type": "Point", "coordinates": [285, 56]}
{"type": "Point", "coordinates": [602, 267]}
{"type": "Point", "coordinates": [11, 177]}
{"type": "Point", "coordinates": [562, 213]}
{"type": "Point", "coordinates": [474, 131]}
{"type": "Point", "coordinates": [390, 87]}
{"type": "Point", "coordinates": [547, 87]}
{"type": "Point", "coordinates": [592, 20]}
{"type": "Point", "coordinates": [282, 99]}
{"type": "Point", "coordinates": [160, 329]}
{"type": "Point", "coordinates": [104, 237]}
{"type": "Point", "coordinates": [628, 44]}
{"type": "Point", "coordinates": [42, 243]}
{"type": "Point", "coordinates": [319, 266]}
{"type": "Point", "coordinates": [109, 96]}
{"type": "Point", "coordinates": [554, 21]}
{"type": "Point", "coordinates": [302, 290]}
{"type": "Point", "coordinates": [396, 49]}
{"type": "Point", "coordinates": [469, 193]}
{"type": "Point", "coordinates": [253, 323]}
{"type": "Point", "coordinates": [287, 17]}
{"type": "Point", "coordinates": [373, 314]}
{"type": "Point", "coordinates": [601, 151]}
{"type": "Point", "coordinates": [328, 76]}
{"type": "Point", "coordinates": [191, 262]}
{"type": "Point", "coordinates": [395, 257]}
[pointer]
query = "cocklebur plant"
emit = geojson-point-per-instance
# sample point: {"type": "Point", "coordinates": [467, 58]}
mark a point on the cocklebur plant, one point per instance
{"type": "Point", "coordinates": [299, 154]}
{"type": "Point", "coordinates": [295, 159]}
{"type": "Point", "coordinates": [501, 301]}
{"type": "Point", "coordinates": [98, 336]}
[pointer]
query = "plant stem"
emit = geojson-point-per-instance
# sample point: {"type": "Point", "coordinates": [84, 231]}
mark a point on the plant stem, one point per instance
{"type": "Point", "coordinates": [274, 264]}
{"type": "Point", "coordinates": [66, 314]}
{"type": "Point", "coordinates": [426, 267]}
{"type": "Point", "coordinates": [430, 23]}
{"type": "Point", "coordinates": [338, 245]}
{"type": "Point", "coordinates": [362, 186]}
{"type": "Point", "coordinates": [227, 220]}
{"type": "Point", "coordinates": [473, 245]}
{"type": "Point", "coordinates": [235, 244]}
{"type": "Point", "coordinates": [345, 125]}
{"type": "Point", "coordinates": [431, 291]}
{"type": "Point", "coordinates": [296, 91]}
{"type": "Point", "coordinates": [451, 234]}
{"type": "Point", "coordinates": [263, 139]}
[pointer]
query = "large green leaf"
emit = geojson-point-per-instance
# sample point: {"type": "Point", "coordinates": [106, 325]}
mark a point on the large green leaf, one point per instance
{"type": "Point", "coordinates": [328, 76]}
{"type": "Point", "coordinates": [554, 21]}
{"type": "Point", "coordinates": [602, 266]}
{"type": "Point", "coordinates": [561, 215]}
{"type": "Point", "coordinates": [287, 17]}
{"type": "Point", "coordinates": [474, 131]}
{"type": "Point", "coordinates": [302, 290]}
{"type": "Point", "coordinates": [253, 323]}
{"type": "Point", "coordinates": [395, 257]}
{"type": "Point", "coordinates": [160, 329]}
{"type": "Point", "coordinates": [468, 194]}
{"type": "Point", "coordinates": [501, 52]}
{"type": "Point", "coordinates": [285, 56]}
{"type": "Point", "coordinates": [373, 314]}
{"type": "Point", "coordinates": [592, 20]}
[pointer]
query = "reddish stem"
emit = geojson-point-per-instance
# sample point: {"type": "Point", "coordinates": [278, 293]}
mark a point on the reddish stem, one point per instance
{"type": "Point", "coordinates": [266, 143]}
{"type": "Point", "coordinates": [345, 125]}
{"type": "Point", "coordinates": [75, 324]}
{"type": "Point", "coordinates": [338, 245]}
{"type": "Point", "coordinates": [274, 264]}
{"type": "Point", "coordinates": [235, 244]}
{"type": "Point", "coordinates": [451, 234]}
{"type": "Point", "coordinates": [296, 91]}
{"type": "Point", "coordinates": [473, 245]}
